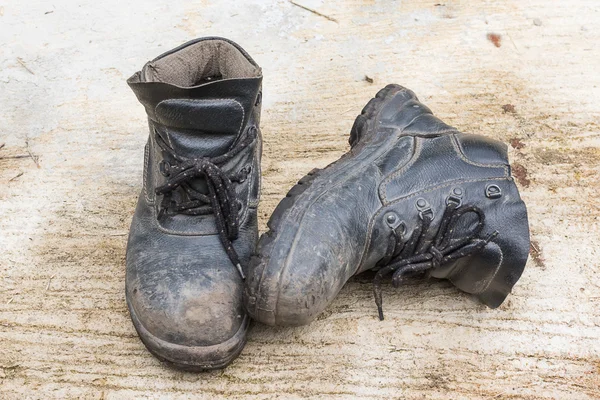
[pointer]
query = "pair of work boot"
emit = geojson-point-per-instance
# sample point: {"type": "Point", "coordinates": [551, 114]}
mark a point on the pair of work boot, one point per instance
{"type": "Point", "coordinates": [412, 195]}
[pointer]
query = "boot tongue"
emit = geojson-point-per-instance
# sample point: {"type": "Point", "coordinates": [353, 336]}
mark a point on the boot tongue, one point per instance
{"type": "Point", "coordinates": [199, 97]}
{"type": "Point", "coordinates": [196, 128]}
{"type": "Point", "coordinates": [199, 93]}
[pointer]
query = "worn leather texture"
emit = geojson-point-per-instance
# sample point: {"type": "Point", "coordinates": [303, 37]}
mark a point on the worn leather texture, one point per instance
{"type": "Point", "coordinates": [181, 285]}
{"type": "Point", "coordinates": [336, 224]}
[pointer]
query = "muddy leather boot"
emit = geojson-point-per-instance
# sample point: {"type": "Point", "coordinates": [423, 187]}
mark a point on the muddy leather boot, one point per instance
{"type": "Point", "coordinates": [195, 225]}
{"type": "Point", "coordinates": [413, 194]}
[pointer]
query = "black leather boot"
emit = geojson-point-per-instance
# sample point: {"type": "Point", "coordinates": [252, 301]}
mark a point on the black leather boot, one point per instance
{"type": "Point", "coordinates": [195, 225]}
{"type": "Point", "coordinates": [413, 194]}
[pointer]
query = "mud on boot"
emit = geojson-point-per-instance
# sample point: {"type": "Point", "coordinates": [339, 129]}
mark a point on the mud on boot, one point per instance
{"type": "Point", "coordinates": [412, 195]}
{"type": "Point", "coordinates": [195, 225]}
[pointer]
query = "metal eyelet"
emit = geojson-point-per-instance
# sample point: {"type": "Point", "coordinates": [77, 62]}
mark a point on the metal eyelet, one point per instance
{"type": "Point", "coordinates": [455, 197]}
{"type": "Point", "coordinates": [240, 205]}
{"type": "Point", "coordinates": [258, 99]}
{"type": "Point", "coordinates": [391, 218]}
{"type": "Point", "coordinates": [165, 168]}
{"type": "Point", "coordinates": [424, 208]}
{"type": "Point", "coordinates": [244, 172]}
{"type": "Point", "coordinates": [493, 191]}
{"type": "Point", "coordinates": [393, 221]}
{"type": "Point", "coordinates": [402, 227]}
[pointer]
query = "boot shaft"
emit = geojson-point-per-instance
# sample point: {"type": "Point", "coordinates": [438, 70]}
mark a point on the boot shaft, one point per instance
{"type": "Point", "coordinates": [200, 95]}
{"type": "Point", "coordinates": [202, 99]}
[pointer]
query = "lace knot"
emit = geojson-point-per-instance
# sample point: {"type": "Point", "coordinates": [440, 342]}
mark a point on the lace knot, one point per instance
{"type": "Point", "coordinates": [221, 199]}
{"type": "Point", "coordinates": [418, 254]}
{"type": "Point", "coordinates": [437, 256]}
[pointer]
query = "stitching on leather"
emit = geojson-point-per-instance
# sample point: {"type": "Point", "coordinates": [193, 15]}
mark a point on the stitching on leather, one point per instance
{"type": "Point", "coordinates": [453, 182]}
{"type": "Point", "coordinates": [146, 166]}
{"type": "Point", "coordinates": [243, 115]}
{"type": "Point", "coordinates": [383, 186]}
{"type": "Point", "coordinates": [168, 136]}
{"type": "Point", "coordinates": [250, 182]}
{"type": "Point", "coordinates": [420, 134]}
{"type": "Point", "coordinates": [254, 203]}
{"type": "Point", "coordinates": [407, 128]}
{"type": "Point", "coordinates": [368, 240]}
{"type": "Point", "coordinates": [418, 149]}
{"type": "Point", "coordinates": [238, 131]}
{"type": "Point", "coordinates": [386, 207]}
{"type": "Point", "coordinates": [243, 217]}
{"type": "Point", "coordinates": [181, 233]}
{"type": "Point", "coordinates": [243, 112]}
{"type": "Point", "coordinates": [497, 269]}
{"type": "Point", "coordinates": [463, 156]}
{"type": "Point", "coordinates": [402, 130]}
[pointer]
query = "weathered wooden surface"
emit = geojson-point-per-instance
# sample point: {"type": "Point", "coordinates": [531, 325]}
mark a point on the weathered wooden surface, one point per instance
{"type": "Point", "coordinates": [64, 327]}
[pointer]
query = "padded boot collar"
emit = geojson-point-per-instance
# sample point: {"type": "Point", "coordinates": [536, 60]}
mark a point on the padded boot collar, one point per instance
{"type": "Point", "coordinates": [183, 73]}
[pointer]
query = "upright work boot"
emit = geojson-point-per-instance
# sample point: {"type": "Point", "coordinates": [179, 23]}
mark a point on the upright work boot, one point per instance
{"type": "Point", "coordinates": [413, 194]}
{"type": "Point", "coordinates": [195, 225]}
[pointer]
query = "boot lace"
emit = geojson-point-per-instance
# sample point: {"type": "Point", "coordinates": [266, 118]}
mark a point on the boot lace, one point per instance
{"type": "Point", "coordinates": [221, 199]}
{"type": "Point", "coordinates": [418, 254]}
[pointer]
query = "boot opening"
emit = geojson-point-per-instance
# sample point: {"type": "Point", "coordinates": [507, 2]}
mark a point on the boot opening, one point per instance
{"type": "Point", "coordinates": [201, 62]}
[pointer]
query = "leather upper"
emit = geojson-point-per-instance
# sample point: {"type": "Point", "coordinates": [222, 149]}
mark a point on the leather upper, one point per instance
{"type": "Point", "coordinates": [180, 282]}
{"type": "Point", "coordinates": [340, 225]}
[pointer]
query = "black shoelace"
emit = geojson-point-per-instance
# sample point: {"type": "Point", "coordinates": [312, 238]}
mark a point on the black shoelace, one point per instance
{"type": "Point", "coordinates": [418, 255]}
{"type": "Point", "coordinates": [221, 198]}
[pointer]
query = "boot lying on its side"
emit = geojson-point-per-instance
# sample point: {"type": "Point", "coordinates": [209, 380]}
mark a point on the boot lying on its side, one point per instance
{"type": "Point", "coordinates": [413, 194]}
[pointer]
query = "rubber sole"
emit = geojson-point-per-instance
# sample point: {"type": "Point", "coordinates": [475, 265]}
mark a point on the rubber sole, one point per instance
{"type": "Point", "coordinates": [192, 358]}
{"type": "Point", "coordinates": [254, 300]}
